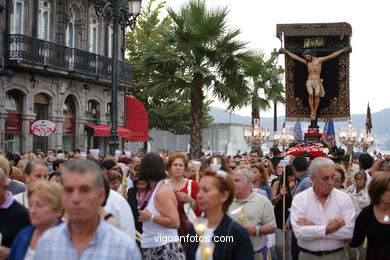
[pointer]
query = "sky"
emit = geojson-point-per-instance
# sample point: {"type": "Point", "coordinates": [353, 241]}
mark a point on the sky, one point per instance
{"type": "Point", "coordinates": [257, 21]}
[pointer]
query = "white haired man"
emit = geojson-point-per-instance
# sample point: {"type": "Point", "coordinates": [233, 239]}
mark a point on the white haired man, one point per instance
{"type": "Point", "coordinates": [322, 217]}
{"type": "Point", "coordinates": [258, 209]}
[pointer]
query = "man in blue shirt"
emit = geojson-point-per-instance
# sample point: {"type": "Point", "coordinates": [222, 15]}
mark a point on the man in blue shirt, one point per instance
{"type": "Point", "coordinates": [85, 235]}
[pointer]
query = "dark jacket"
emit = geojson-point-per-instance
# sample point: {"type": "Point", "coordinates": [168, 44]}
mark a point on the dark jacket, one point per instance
{"type": "Point", "coordinates": [21, 242]}
{"type": "Point", "coordinates": [240, 248]}
{"type": "Point", "coordinates": [132, 199]}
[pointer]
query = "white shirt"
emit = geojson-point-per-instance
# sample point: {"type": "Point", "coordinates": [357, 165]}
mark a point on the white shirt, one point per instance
{"type": "Point", "coordinates": [120, 209]}
{"type": "Point", "coordinates": [22, 198]}
{"type": "Point", "coordinates": [314, 238]}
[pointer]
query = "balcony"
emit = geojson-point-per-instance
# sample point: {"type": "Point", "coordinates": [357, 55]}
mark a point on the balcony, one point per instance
{"type": "Point", "coordinates": [61, 59]}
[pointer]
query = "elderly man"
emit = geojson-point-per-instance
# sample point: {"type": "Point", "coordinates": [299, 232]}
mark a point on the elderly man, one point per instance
{"type": "Point", "coordinates": [257, 208]}
{"type": "Point", "coordinates": [322, 217]}
{"type": "Point", "coordinates": [85, 235]}
{"type": "Point", "coordinates": [13, 217]}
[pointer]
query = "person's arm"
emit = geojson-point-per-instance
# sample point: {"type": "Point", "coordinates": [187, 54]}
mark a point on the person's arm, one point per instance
{"type": "Point", "coordinates": [194, 193]}
{"type": "Point", "coordinates": [348, 214]}
{"type": "Point", "coordinates": [359, 232]}
{"type": "Point", "coordinates": [334, 54]}
{"type": "Point", "coordinates": [293, 56]}
{"type": "Point", "coordinates": [166, 204]}
{"type": "Point", "coordinates": [306, 232]}
{"type": "Point", "coordinates": [275, 195]}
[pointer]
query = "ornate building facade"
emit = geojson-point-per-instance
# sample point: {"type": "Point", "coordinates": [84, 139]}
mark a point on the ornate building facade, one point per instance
{"type": "Point", "coordinates": [55, 65]}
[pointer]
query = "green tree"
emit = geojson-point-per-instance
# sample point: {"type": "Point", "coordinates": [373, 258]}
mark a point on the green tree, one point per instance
{"type": "Point", "coordinates": [263, 75]}
{"type": "Point", "coordinates": [198, 54]}
{"type": "Point", "coordinates": [167, 111]}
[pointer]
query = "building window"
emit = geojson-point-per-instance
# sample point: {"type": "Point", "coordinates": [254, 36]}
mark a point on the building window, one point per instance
{"type": "Point", "coordinates": [12, 102]}
{"type": "Point", "coordinates": [93, 36]}
{"type": "Point", "coordinates": [108, 109]}
{"type": "Point", "coordinates": [68, 108]}
{"type": "Point", "coordinates": [70, 30]}
{"type": "Point", "coordinates": [43, 20]}
{"type": "Point", "coordinates": [13, 143]}
{"type": "Point", "coordinates": [17, 10]}
{"type": "Point", "coordinates": [110, 39]}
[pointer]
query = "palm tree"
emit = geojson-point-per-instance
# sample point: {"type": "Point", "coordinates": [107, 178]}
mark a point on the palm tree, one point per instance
{"type": "Point", "coordinates": [200, 54]}
{"type": "Point", "coordinates": [265, 86]}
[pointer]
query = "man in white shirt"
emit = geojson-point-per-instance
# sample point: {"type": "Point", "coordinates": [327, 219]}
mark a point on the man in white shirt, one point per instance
{"type": "Point", "coordinates": [322, 217]}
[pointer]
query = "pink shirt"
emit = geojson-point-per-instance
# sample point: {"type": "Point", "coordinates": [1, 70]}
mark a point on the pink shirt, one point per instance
{"type": "Point", "coordinates": [314, 238]}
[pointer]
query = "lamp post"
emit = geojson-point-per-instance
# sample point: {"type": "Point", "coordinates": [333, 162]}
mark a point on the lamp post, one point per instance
{"type": "Point", "coordinates": [125, 13]}
{"type": "Point", "coordinates": [365, 140]}
{"type": "Point", "coordinates": [348, 137]}
{"type": "Point", "coordinates": [283, 138]}
{"type": "Point", "coordinates": [256, 135]}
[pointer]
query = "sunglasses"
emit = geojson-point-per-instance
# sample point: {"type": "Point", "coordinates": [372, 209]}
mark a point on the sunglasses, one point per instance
{"type": "Point", "coordinates": [232, 167]}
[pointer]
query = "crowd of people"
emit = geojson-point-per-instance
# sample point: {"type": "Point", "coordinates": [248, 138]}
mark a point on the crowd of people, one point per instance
{"type": "Point", "coordinates": [146, 206]}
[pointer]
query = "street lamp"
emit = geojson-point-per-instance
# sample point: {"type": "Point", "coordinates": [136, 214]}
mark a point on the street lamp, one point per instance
{"type": "Point", "coordinates": [365, 140]}
{"type": "Point", "coordinates": [256, 135]}
{"type": "Point", "coordinates": [125, 13]}
{"type": "Point", "coordinates": [284, 139]}
{"type": "Point", "coordinates": [348, 137]}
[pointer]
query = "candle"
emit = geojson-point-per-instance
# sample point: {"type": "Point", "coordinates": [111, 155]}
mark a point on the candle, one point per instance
{"type": "Point", "coordinates": [200, 228]}
{"type": "Point", "coordinates": [208, 251]}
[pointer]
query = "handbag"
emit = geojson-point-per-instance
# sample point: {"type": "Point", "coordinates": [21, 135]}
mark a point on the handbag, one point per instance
{"type": "Point", "coordinates": [187, 206]}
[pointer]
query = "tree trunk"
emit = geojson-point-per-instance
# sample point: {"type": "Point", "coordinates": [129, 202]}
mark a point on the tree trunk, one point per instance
{"type": "Point", "coordinates": [196, 120]}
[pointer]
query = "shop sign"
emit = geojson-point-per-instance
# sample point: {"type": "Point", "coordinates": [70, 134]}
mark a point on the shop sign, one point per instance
{"type": "Point", "coordinates": [43, 128]}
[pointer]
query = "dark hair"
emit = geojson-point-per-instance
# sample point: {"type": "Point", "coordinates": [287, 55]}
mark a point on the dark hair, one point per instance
{"type": "Point", "coordinates": [55, 173]}
{"type": "Point", "coordinates": [300, 163]}
{"type": "Point", "coordinates": [222, 185]}
{"type": "Point", "coordinates": [14, 157]}
{"type": "Point", "coordinates": [366, 161]}
{"type": "Point", "coordinates": [378, 186]}
{"type": "Point", "coordinates": [57, 163]}
{"type": "Point", "coordinates": [255, 151]}
{"type": "Point", "coordinates": [264, 175]}
{"type": "Point", "coordinates": [108, 164]}
{"type": "Point", "coordinates": [152, 168]}
{"type": "Point", "coordinates": [309, 52]}
{"type": "Point", "coordinates": [224, 165]}
{"type": "Point", "coordinates": [175, 156]}
{"type": "Point", "coordinates": [31, 164]}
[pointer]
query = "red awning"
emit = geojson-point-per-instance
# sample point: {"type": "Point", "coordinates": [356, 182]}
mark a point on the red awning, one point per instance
{"type": "Point", "coordinates": [136, 120]}
{"type": "Point", "coordinates": [102, 130]}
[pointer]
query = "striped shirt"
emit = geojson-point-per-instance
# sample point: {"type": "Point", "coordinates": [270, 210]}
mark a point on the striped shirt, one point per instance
{"type": "Point", "coordinates": [108, 243]}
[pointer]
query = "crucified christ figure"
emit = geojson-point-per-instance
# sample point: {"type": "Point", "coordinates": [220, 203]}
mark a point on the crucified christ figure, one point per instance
{"type": "Point", "coordinates": [314, 82]}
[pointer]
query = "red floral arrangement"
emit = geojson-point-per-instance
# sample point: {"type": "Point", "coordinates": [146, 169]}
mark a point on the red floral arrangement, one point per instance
{"type": "Point", "coordinates": [314, 149]}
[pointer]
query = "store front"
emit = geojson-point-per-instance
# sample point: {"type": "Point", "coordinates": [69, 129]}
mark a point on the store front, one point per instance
{"type": "Point", "coordinates": [41, 109]}
{"type": "Point", "coordinates": [13, 121]}
{"type": "Point", "coordinates": [69, 126]}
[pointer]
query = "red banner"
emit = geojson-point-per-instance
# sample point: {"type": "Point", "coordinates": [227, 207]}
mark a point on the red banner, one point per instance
{"type": "Point", "coordinates": [13, 123]}
{"type": "Point", "coordinates": [69, 127]}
